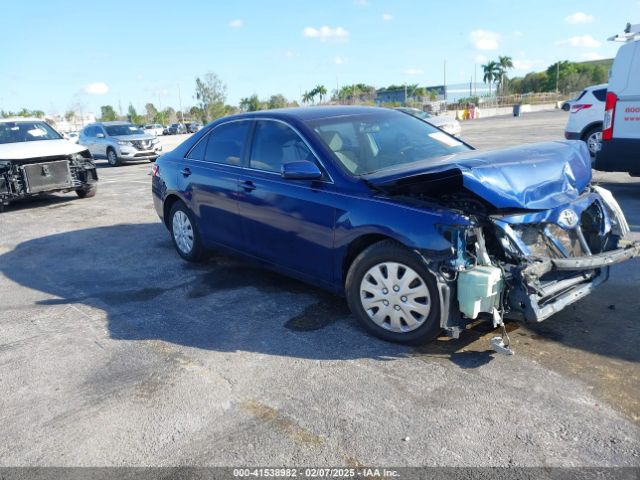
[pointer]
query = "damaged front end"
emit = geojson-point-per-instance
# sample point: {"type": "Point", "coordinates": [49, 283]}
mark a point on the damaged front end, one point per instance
{"type": "Point", "coordinates": [62, 173]}
{"type": "Point", "coordinates": [546, 241]}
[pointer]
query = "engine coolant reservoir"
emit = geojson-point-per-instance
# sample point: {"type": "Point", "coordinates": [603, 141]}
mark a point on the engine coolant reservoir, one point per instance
{"type": "Point", "coordinates": [479, 290]}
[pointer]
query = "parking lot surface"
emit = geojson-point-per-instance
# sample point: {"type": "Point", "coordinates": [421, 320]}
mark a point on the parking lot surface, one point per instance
{"type": "Point", "coordinates": [114, 351]}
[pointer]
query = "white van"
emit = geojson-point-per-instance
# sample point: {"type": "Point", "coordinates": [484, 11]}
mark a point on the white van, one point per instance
{"type": "Point", "coordinates": [620, 147]}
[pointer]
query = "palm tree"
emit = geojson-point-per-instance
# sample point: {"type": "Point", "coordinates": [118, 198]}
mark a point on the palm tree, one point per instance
{"type": "Point", "coordinates": [504, 63]}
{"type": "Point", "coordinates": [308, 97]}
{"type": "Point", "coordinates": [491, 73]}
{"type": "Point", "coordinates": [320, 91]}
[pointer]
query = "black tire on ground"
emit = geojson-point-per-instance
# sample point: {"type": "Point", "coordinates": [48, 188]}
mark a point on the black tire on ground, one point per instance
{"type": "Point", "coordinates": [112, 158]}
{"type": "Point", "coordinates": [87, 191]}
{"type": "Point", "coordinates": [391, 251]}
{"type": "Point", "coordinates": [197, 253]}
{"type": "Point", "coordinates": [585, 138]}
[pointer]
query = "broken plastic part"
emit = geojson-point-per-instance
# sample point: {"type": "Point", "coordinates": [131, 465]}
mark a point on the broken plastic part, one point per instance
{"type": "Point", "coordinates": [498, 345]}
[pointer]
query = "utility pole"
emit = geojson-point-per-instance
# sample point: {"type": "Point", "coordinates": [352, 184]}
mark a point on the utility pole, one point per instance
{"type": "Point", "coordinates": [557, 74]}
{"type": "Point", "coordinates": [475, 79]}
{"type": "Point", "coordinates": [445, 81]}
{"type": "Point", "coordinates": [180, 104]}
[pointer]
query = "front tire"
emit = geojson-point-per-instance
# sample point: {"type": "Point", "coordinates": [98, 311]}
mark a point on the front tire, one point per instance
{"type": "Point", "coordinates": [112, 158]}
{"type": "Point", "coordinates": [393, 295]}
{"type": "Point", "coordinates": [185, 234]}
{"type": "Point", "coordinates": [87, 191]}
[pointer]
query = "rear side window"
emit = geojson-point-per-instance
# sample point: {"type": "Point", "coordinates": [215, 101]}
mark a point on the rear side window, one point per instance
{"type": "Point", "coordinates": [581, 95]}
{"type": "Point", "coordinates": [600, 94]}
{"type": "Point", "coordinates": [225, 143]}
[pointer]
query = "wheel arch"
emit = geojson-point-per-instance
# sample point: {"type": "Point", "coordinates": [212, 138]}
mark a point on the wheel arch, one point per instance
{"type": "Point", "coordinates": [356, 247]}
{"type": "Point", "coordinates": [168, 203]}
{"type": "Point", "coordinates": [585, 130]}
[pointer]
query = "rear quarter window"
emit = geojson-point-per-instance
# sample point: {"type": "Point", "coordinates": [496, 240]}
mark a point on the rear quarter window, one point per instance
{"type": "Point", "coordinates": [600, 94]}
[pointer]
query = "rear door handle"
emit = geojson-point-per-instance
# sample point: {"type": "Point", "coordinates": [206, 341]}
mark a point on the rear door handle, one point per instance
{"type": "Point", "coordinates": [248, 186]}
{"type": "Point", "coordinates": [186, 172]}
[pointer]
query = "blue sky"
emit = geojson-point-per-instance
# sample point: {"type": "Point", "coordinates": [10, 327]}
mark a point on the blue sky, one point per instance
{"type": "Point", "coordinates": [59, 54]}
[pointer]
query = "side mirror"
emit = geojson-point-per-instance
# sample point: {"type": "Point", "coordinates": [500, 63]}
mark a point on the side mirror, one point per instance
{"type": "Point", "coordinates": [301, 170]}
{"type": "Point", "coordinates": [99, 135]}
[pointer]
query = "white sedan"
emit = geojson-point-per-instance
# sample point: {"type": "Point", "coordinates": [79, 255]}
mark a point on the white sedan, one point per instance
{"type": "Point", "coordinates": [154, 129]}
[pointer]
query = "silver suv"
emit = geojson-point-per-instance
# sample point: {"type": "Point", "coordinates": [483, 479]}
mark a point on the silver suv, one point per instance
{"type": "Point", "coordinates": [119, 142]}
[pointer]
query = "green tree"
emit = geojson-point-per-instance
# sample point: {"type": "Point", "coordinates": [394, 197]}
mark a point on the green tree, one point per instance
{"type": "Point", "coordinates": [504, 65]}
{"type": "Point", "coordinates": [107, 113]}
{"type": "Point", "coordinates": [211, 94]}
{"type": "Point", "coordinates": [321, 91]}
{"type": "Point", "coordinates": [133, 116]}
{"type": "Point", "coordinates": [150, 112]}
{"type": "Point", "coordinates": [307, 97]}
{"type": "Point", "coordinates": [277, 101]}
{"type": "Point", "coordinates": [250, 104]}
{"type": "Point", "coordinates": [491, 73]}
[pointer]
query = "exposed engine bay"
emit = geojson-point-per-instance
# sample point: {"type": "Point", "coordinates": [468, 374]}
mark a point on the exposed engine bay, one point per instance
{"type": "Point", "coordinates": [524, 264]}
{"type": "Point", "coordinates": [60, 173]}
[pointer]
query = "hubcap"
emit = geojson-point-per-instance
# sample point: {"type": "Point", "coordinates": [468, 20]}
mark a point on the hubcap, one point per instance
{"type": "Point", "coordinates": [112, 157]}
{"type": "Point", "coordinates": [183, 232]}
{"type": "Point", "coordinates": [594, 141]}
{"type": "Point", "coordinates": [395, 297]}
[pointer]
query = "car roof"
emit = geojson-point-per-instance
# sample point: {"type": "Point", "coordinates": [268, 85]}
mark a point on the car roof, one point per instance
{"type": "Point", "coordinates": [310, 113]}
{"type": "Point", "coordinates": [21, 119]}
{"type": "Point", "coordinates": [115, 122]}
{"type": "Point", "coordinates": [597, 87]}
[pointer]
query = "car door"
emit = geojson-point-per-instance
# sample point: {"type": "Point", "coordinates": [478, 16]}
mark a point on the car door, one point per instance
{"type": "Point", "coordinates": [286, 222]}
{"type": "Point", "coordinates": [87, 138]}
{"type": "Point", "coordinates": [209, 180]}
{"type": "Point", "coordinates": [100, 142]}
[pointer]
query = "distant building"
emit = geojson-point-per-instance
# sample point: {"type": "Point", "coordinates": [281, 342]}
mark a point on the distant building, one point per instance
{"type": "Point", "coordinates": [74, 124]}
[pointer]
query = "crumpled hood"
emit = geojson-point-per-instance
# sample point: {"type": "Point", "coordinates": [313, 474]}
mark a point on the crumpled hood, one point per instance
{"type": "Point", "coordinates": [38, 148]}
{"type": "Point", "coordinates": [537, 176]}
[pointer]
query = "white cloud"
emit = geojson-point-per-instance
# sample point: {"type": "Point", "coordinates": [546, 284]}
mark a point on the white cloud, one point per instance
{"type": "Point", "coordinates": [518, 33]}
{"type": "Point", "coordinates": [586, 41]}
{"type": "Point", "coordinates": [578, 17]}
{"type": "Point", "coordinates": [291, 54]}
{"type": "Point", "coordinates": [387, 17]}
{"type": "Point", "coordinates": [362, 3]}
{"type": "Point", "coordinates": [339, 60]}
{"type": "Point", "coordinates": [237, 23]}
{"type": "Point", "coordinates": [325, 33]}
{"type": "Point", "coordinates": [484, 39]}
{"type": "Point", "coordinates": [96, 88]}
{"type": "Point", "coordinates": [414, 71]}
{"type": "Point", "coordinates": [592, 56]}
{"type": "Point", "coordinates": [526, 64]}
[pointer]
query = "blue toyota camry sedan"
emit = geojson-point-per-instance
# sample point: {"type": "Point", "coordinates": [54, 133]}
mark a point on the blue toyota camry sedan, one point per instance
{"type": "Point", "coordinates": [419, 231]}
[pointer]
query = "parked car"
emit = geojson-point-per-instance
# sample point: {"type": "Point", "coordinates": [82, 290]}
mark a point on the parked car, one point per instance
{"type": "Point", "coordinates": [585, 118]}
{"type": "Point", "coordinates": [448, 124]}
{"type": "Point", "coordinates": [154, 129]}
{"type": "Point", "coordinates": [193, 127]}
{"type": "Point", "coordinates": [621, 131]}
{"type": "Point", "coordinates": [35, 159]}
{"type": "Point", "coordinates": [72, 136]}
{"type": "Point", "coordinates": [417, 229]}
{"type": "Point", "coordinates": [176, 129]}
{"type": "Point", "coordinates": [119, 142]}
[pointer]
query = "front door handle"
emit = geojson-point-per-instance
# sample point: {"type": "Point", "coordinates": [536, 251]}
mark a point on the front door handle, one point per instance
{"type": "Point", "coordinates": [186, 172]}
{"type": "Point", "coordinates": [248, 186]}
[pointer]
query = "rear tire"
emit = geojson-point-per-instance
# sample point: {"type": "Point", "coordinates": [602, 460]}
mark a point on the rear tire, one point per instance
{"type": "Point", "coordinates": [393, 295]}
{"type": "Point", "coordinates": [185, 233]}
{"type": "Point", "coordinates": [593, 139]}
{"type": "Point", "coordinates": [87, 191]}
{"type": "Point", "coordinates": [112, 158]}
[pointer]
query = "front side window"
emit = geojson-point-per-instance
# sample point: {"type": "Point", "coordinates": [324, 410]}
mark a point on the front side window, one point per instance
{"type": "Point", "coordinates": [27, 131]}
{"type": "Point", "coordinates": [367, 143]}
{"type": "Point", "coordinates": [225, 143]}
{"type": "Point", "coordinates": [275, 144]}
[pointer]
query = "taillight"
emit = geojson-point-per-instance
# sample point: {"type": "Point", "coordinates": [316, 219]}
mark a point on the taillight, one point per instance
{"type": "Point", "coordinates": [580, 106]}
{"type": "Point", "coordinates": [609, 111]}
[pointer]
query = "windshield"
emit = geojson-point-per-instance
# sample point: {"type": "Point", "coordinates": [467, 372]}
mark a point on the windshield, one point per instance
{"type": "Point", "coordinates": [14, 132]}
{"type": "Point", "coordinates": [116, 130]}
{"type": "Point", "coordinates": [364, 144]}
